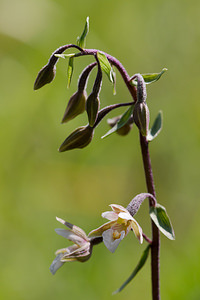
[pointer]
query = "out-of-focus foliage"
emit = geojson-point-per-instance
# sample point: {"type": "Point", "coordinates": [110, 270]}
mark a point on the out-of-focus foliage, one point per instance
{"type": "Point", "coordinates": [38, 183]}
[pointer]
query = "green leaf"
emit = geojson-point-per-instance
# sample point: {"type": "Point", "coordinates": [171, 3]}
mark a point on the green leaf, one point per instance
{"type": "Point", "coordinates": [124, 119]}
{"type": "Point", "coordinates": [70, 71]}
{"type": "Point", "coordinates": [114, 82]}
{"type": "Point", "coordinates": [106, 66]}
{"type": "Point", "coordinates": [150, 77]}
{"type": "Point", "coordinates": [159, 215]}
{"type": "Point", "coordinates": [156, 128]}
{"type": "Point", "coordinates": [82, 39]}
{"type": "Point", "coordinates": [136, 270]}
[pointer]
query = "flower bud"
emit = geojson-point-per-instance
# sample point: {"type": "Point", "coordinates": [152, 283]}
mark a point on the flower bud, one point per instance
{"type": "Point", "coordinates": [141, 117]}
{"type": "Point", "coordinates": [124, 130]}
{"type": "Point", "coordinates": [92, 108]}
{"type": "Point", "coordinates": [45, 75]}
{"type": "Point", "coordinates": [75, 106]}
{"type": "Point", "coordinates": [79, 138]}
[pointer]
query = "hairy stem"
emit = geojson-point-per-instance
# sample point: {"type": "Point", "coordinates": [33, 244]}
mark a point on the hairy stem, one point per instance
{"type": "Point", "coordinates": [155, 245]}
{"type": "Point", "coordinates": [53, 60]}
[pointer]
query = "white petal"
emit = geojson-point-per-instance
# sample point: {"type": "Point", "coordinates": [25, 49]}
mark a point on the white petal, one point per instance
{"type": "Point", "coordinates": [60, 220]}
{"type": "Point", "coordinates": [81, 253]}
{"type": "Point", "coordinates": [98, 232]}
{"type": "Point", "coordinates": [67, 250]}
{"type": "Point", "coordinates": [70, 236]}
{"type": "Point", "coordinates": [110, 215]}
{"type": "Point", "coordinates": [56, 264]}
{"type": "Point", "coordinates": [109, 242]}
{"type": "Point", "coordinates": [137, 230]}
{"type": "Point", "coordinates": [118, 208]}
{"type": "Point", "coordinates": [125, 216]}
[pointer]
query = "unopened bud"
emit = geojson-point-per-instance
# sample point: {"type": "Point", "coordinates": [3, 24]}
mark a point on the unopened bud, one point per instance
{"type": "Point", "coordinates": [141, 117]}
{"type": "Point", "coordinates": [92, 108]}
{"type": "Point", "coordinates": [45, 75]}
{"type": "Point", "coordinates": [75, 107]}
{"type": "Point", "coordinates": [124, 130]}
{"type": "Point", "coordinates": [79, 138]}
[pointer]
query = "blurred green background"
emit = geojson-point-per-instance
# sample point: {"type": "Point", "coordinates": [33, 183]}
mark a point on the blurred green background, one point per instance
{"type": "Point", "coordinates": [38, 183]}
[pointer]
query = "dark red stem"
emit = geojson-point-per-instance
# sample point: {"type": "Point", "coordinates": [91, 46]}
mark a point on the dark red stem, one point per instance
{"type": "Point", "coordinates": [146, 238]}
{"type": "Point", "coordinates": [53, 60]}
{"type": "Point", "coordinates": [155, 245]}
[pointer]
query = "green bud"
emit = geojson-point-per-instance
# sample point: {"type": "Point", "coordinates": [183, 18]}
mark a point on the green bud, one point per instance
{"type": "Point", "coordinates": [75, 106]}
{"type": "Point", "coordinates": [92, 108]}
{"type": "Point", "coordinates": [141, 117]}
{"type": "Point", "coordinates": [45, 75]}
{"type": "Point", "coordinates": [79, 138]}
{"type": "Point", "coordinates": [124, 130]}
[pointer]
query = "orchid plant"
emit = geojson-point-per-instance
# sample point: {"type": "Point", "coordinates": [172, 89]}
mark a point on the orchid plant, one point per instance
{"type": "Point", "coordinates": [121, 220]}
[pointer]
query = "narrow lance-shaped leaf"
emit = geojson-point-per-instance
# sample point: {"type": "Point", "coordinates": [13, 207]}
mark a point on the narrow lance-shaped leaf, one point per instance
{"type": "Point", "coordinates": [156, 128]}
{"type": "Point", "coordinates": [114, 82]}
{"type": "Point", "coordinates": [159, 215]}
{"type": "Point", "coordinates": [70, 70]}
{"type": "Point", "coordinates": [150, 77]}
{"type": "Point", "coordinates": [106, 66]}
{"type": "Point", "coordinates": [81, 40]}
{"type": "Point", "coordinates": [136, 270]}
{"type": "Point", "coordinates": [124, 119]}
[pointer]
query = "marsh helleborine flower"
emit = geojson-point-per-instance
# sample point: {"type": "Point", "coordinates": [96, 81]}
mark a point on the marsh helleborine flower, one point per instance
{"type": "Point", "coordinates": [121, 222]}
{"type": "Point", "coordinates": [80, 251]}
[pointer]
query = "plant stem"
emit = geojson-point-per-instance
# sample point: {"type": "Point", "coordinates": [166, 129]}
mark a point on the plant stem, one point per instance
{"type": "Point", "coordinates": [155, 246]}
{"type": "Point", "coordinates": [53, 60]}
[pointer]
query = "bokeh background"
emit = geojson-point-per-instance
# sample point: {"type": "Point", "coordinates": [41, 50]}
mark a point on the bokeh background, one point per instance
{"type": "Point", "coordinates": [38, 183]}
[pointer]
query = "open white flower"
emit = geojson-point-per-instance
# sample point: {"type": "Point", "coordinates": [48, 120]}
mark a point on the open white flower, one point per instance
{"type": "Point", "coordinates": [121, 222]}
{"type": "Point", "coordinates": [80, 251]}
